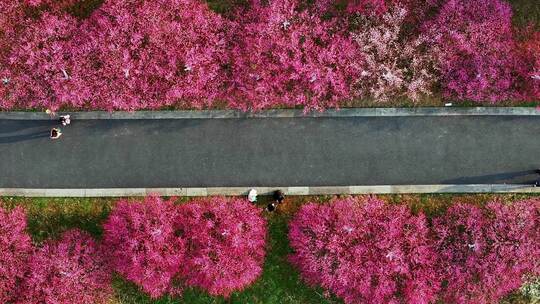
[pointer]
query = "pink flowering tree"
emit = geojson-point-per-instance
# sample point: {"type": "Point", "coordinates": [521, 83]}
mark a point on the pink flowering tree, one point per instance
{"type": "Point", "coordinates": [365, 251]}
{"type": "Point", "coordinates": [41, 55]}
{"type": "Point", "coordinates": [486, 254]}
{"type": "Point", "coordinates": [478, 59]}
{"type": "Point", "coordinates": [143, 244]}
{"type": "Point", "coordinates": [15, 247]}
{"type": "Point", "coordinates": [530, 49]}
{"type": "Point", "coordinates": [44, 70]}
{"type": "Point", "coordinates": [285, 56]}
{"type": "Point", "coordinates": [225, 241]}
{"type": "Point", "coordinates": [395, 66]}
{"type": "Point", "coordinates": [11, 22]}
{"type": "Point", "coordinates": [68, 270]}
{"type": "Point", "coordinates": [150, 54]}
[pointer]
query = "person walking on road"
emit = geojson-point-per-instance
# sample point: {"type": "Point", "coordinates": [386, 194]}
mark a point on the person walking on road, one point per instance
{"type": "Point", "coordinates": [55, 133]}
{"type": "Point", "coordinates": [65, 120]}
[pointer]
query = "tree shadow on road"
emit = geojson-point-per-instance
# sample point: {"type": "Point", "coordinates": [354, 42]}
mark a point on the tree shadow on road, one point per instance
{"type": "Point", "coordinates": [15, 126]}
{"type": "Point", "coordinates": [24, 137]}
{"type": "Point", "coordinates": [507, 177]}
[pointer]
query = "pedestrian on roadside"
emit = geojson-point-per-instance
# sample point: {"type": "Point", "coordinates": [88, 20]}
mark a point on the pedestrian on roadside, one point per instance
{"type": "Point", "coordinates": [50, 112]}
{"type": "Point", "coordinates": [65, 120]}
{"type": "Point", "coordinates": [271, 207]}
{"type": "Point", "coordinates": [252, 196]}
{"type": "Point", "coordinates": [537, 182]}
{"type": "Point", "coordinates": [55, 133]}
{"type": "Point", "coordinates": [279, 196]}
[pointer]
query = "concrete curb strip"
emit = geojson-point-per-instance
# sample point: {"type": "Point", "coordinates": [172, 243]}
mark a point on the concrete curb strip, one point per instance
{"type": "Point", "coordinates": [234, 191]}
{"type": "Point", "coordinates": [285, 113]}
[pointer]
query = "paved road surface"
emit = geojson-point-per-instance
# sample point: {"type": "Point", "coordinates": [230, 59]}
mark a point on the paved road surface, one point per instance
{"type": "Point", "coordinates": [271, 152]}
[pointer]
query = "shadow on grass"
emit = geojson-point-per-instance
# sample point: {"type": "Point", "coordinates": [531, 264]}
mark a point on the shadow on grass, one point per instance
{"type": "Point", "coordinates": [49, 217]}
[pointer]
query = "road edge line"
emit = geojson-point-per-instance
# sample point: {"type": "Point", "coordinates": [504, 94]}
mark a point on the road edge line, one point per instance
{"type": "Point", "coordinates": [282, 113]}
{"type": "Point", "coordinates": [293, 191]}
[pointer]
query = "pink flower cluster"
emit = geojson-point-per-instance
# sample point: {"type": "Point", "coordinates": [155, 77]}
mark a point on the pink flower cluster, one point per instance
{"type": "Point", "coordinates": [141, 54]}
{"type": "Point", "coordinates": [366, 251]}
{"type": "Point", "coordinates": [486, 254]}
{"type": "Point", "coordinates": [215, 244]}
{"type": "Point", "coordinates": [143, 244]}
{"type": "Point", "coordinates": [15, 249]}
{"type": "Point", "coordinates": [530, 49]}
{"type": "Point", "coordinates": [150, 54]}
{"type": "Point", "coordinates": [225, 244]}
{"type": "Point", "coordinates": [71, 269]}
{"type": "Point", "coordinates": [285, 57]}
{"type": "Point", "coordinates": [478, 56]}
{"type": "Point", "coordinates": [128, 55]}
{"type": "Point", "coordinates": [393, 67]}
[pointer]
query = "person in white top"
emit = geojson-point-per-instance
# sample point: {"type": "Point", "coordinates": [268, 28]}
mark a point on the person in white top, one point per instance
{"type": "Point", "coordinates": [252, 196]}
{"type": "Point", "coordinates": [65, 120]}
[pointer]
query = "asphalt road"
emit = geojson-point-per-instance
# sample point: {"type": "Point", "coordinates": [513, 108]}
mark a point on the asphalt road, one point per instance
{"type": "Point", "coordinates": [271, 152]}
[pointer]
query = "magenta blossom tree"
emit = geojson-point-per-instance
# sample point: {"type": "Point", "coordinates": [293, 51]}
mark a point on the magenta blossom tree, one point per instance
{"type": "Point", "coordinates": [143, 244]}
{"type": "Point", "coordinates": [15, 247]}
{"type": "Point", "coordinates": [478, 59]}
{"type": "Point", "coordinates": [486, 254]}
{"type": "Point", "coordinates": [530, 49]}
{"type": "Point", "coordinates": [150, 54]}
{"type": "Point", "coordinates": [225, 241]}
{"type": "Point", "coordinates": [396, 65]}
{"type": "Point", "coordinates": [68, 270]}
{"type": "Point", "coordinates": [283, 55]}
{"type": "Point", "coordinates": [45, 66]}
{"type": "Point", "coordinates": [11, 23]}
{"type": "Point", "coordinates": [365, 251]}
{"type": "Point", "coordinates": [11, 18]}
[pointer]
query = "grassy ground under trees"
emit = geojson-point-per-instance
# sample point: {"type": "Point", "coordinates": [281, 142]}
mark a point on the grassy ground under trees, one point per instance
{"type": "Point", "coordinates": [525, 11]}
{"type": "Point", "coordinates": [280, 283]}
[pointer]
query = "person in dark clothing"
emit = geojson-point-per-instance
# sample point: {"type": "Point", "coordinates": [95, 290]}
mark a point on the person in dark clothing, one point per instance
{"type": "Point", "coordinates": [279, 196]}
{"type": "Point", "coordinates": [55, 133]}
{"type": "Point", "coordinates": [271, 207]}
{"type": "Point", "coordinates": [537, 182]}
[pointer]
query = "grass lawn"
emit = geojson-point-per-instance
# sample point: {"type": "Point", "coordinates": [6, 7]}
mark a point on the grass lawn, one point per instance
{"type": "Point", "coordinates": [526, 12]}
{"type": "Point", "coordinates": [280, 283]}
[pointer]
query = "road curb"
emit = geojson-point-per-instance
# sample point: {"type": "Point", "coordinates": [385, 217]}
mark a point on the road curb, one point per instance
{"type": "Point", "coordinates": [285, 113]}
{"type": "Point", "coordinates": [293, 191]}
